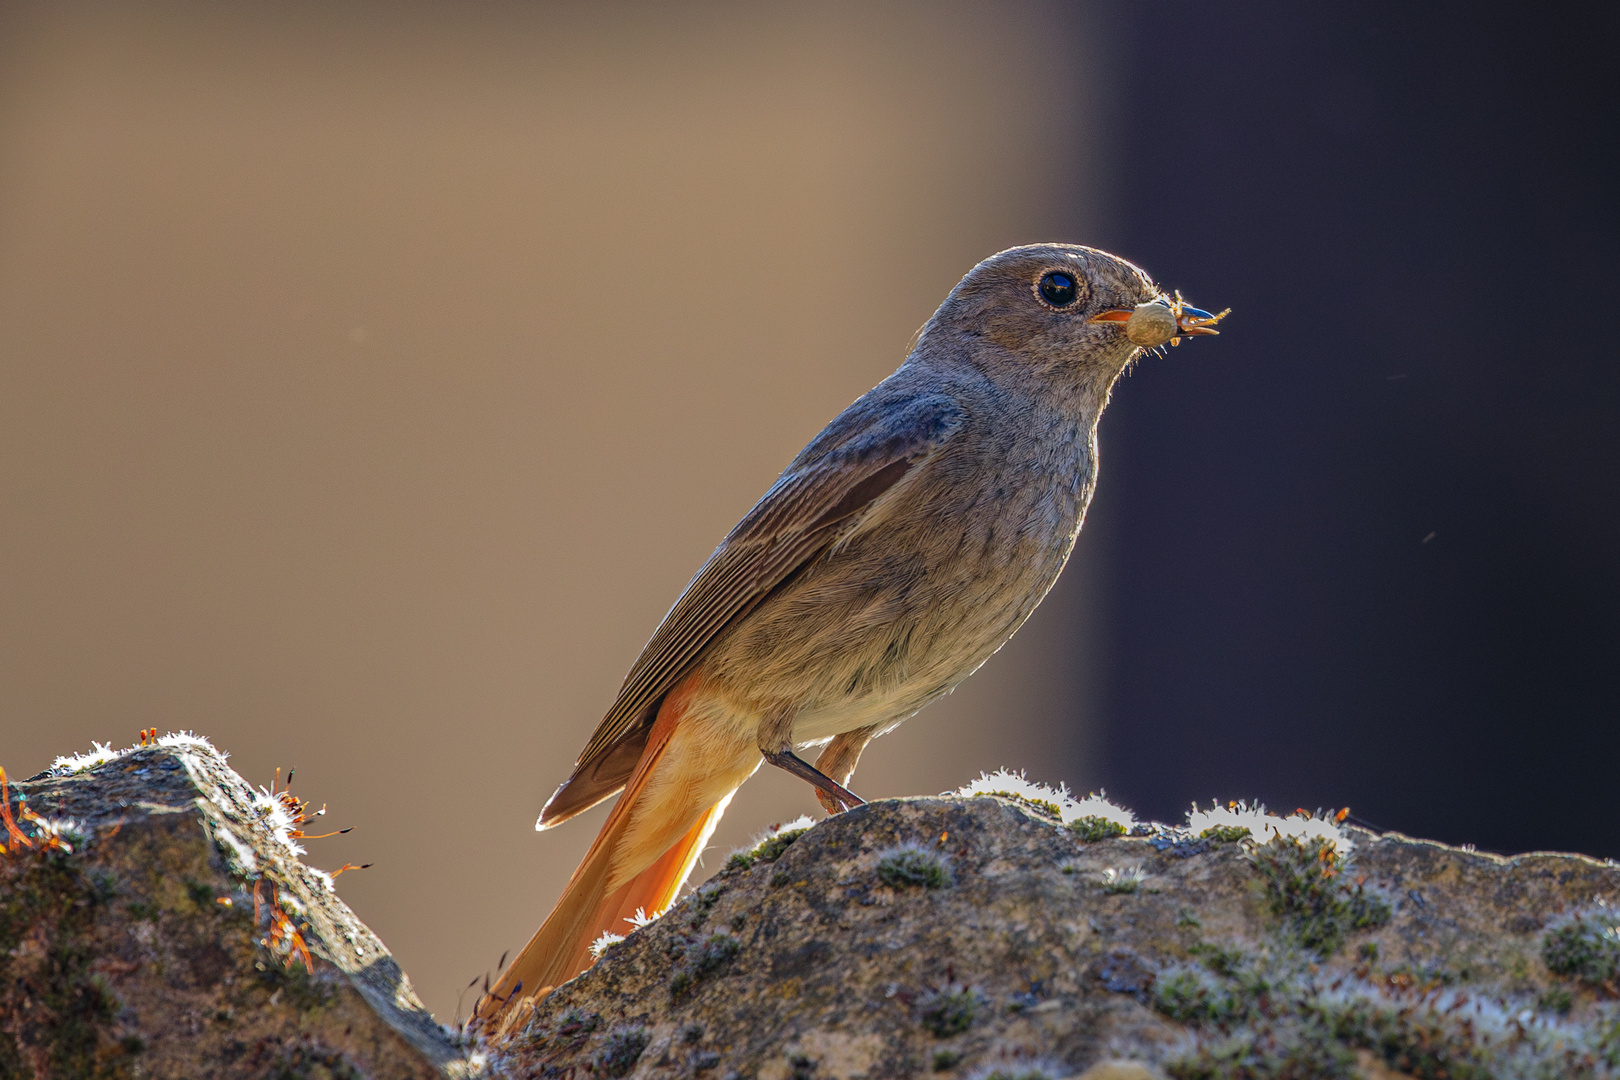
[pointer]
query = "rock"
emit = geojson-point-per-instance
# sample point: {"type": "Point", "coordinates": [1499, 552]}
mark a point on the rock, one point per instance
{"type": "Point", "coordinates": [981, 937]}
{"type": "Point", "coordinates": [130, 945]}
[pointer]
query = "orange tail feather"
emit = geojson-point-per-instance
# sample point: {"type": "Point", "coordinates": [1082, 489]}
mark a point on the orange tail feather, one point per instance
{"type": "Point", "coordinates": [670, 806]}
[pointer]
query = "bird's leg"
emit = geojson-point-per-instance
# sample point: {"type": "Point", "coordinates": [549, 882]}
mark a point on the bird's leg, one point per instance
{"type": "Point", "coordinates": [776, 746]}
{"type": "Point", "coordinates": [838, 760]}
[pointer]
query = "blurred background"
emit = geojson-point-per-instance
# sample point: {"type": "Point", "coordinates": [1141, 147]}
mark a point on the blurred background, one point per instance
{"type": "Point", "coordinates": [373, 377]}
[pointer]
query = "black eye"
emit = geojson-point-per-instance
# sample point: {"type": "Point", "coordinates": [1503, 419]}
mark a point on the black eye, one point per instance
{"type": "Point", "coordinates": [1059, 288]}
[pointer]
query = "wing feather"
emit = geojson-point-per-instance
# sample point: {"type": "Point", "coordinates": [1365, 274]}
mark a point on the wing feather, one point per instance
{"type": "Point", "coordinates": [823, 494]}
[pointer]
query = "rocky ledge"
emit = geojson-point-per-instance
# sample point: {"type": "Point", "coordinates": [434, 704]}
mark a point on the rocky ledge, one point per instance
{"type": "Point", "coordinates": [1017, 937]}
{"type": "Point", "coordinates": [155, 921]}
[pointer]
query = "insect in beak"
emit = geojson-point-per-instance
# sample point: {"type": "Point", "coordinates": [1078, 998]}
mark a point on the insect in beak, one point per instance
{"type": "Point", "coordinates": [1162, 320]}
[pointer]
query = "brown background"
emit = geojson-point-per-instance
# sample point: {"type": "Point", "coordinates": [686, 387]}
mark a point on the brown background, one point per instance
{"type": "Point", "coordinates": [373, 377]}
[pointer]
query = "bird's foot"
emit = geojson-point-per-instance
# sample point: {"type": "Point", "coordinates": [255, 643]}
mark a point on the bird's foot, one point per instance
{"type": "Point", "coordinates": [829, 792]}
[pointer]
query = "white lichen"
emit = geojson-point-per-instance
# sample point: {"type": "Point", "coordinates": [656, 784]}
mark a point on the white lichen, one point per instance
{"type": "Point", "coordinates": [99, 754]}
{"type": "Point", "coordinates": [189, 740]}
{"type": "Point", "coordinates": [1124, 879]}
{"type": "Point", "coordinates": [276, 819]}
{"type": "Point", "coordinates": [1265, 826]}
{"type": "Point", "coordinates": [641, 918]}
{"type": "Point", "coordinates": [603, 943]}
{"type": "Point", "coordinates": [242, 860]}
{"type": "Point", "coordinates": [1016, 784]}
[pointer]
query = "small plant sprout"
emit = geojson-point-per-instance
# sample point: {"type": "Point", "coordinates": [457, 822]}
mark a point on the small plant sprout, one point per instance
{"type": "Point", "coordinates": [950, 1010]}
{"type": "Point", "coordinates": [1307, 890]}
{"type": "Point", "coordinates": [1092, 829]}
{"type": "Point", "coordinates": [769, 845]}
{"type": "Point", "coordinates": [908, 865]}
{"type": "Point", "coordinates": [621, 1050]}
{"type": "Point", "coordinates": [1123, 880]}
{"type": "Point", "coordinates": [702, 961]}
{"type": "Point", "coordinates": [1586, 947]}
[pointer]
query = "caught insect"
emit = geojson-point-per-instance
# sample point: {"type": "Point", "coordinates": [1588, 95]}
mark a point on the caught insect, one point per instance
{"type": "Point", "coordinates": [1163, 321]}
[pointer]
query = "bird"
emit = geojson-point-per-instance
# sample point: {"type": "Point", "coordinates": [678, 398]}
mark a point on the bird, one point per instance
{"type": "Point", "coordinates": [894, 555]}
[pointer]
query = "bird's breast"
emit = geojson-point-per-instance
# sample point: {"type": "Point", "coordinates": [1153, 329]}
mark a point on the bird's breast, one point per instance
{"type": "Point", "coordinates": [908, 605]}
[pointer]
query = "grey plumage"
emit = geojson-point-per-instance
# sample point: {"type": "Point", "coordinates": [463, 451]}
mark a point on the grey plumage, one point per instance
{"type": "Point", "coordinates": [914, 534]}
{"type": "Point", "coordinates": [891, 558]}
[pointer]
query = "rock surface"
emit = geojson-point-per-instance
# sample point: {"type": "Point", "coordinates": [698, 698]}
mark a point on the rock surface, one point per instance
{"type": "Point", "coordinates": [130, 943]}
{"type": "Point", "coordinates": [974, 937]}
{"type": "Point", "coordinates": [981, 937]}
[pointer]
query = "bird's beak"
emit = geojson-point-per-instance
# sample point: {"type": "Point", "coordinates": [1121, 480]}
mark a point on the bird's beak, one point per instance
{"type": "Point", "coordinates": [1160, 321]}
{"type": "Point", "coordinates": [1191, 320]}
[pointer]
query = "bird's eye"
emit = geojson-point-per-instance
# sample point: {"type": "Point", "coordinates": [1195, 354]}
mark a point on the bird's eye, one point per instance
{"type": "Point", "coordinates": [1059, 288]}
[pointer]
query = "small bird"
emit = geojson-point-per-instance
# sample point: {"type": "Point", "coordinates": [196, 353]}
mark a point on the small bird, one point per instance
{"type": "Point", "coordinates": [901, 548]}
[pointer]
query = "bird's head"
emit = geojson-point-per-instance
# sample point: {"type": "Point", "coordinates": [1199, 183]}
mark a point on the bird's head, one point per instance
{"type": "Point", "coordinates": [1062, 306]}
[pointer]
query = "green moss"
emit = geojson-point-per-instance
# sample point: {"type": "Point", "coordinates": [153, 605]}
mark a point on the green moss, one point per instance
{"type": "Point", "coordinates": [1190, 996]}
{"type": "Point", "coordinates": [1288, 1051]}
{"type": "Point", "coordinates": [1018, 1073]}
{"type": "Point", "coordinates": [950, 1011]}
{"type": "Point", "coordinates": [701, 901]}
{"type": "Point", "coordinates": [1225, 834]}
{"type": "Point", "coordinates": [1222, 960]}
{"type": "Point", "coordinates": [1424, 1042]}
{"type": "Point", "coordinates": [946, 1059]}
{"type": "Point", "coordinates": [767, 850]}
{"type": "Point", "coordinates": [1271, 1017]}
{"type": "Point", "coordinates": [1306, 889]}
{"type": "Point", "coordinates": [50, 897]}
{"type": "Point", "coordinates": [1092, 829]}
{"type": "Point", "coordinates": [1123, 880]}
{"type": "Point", "coordinates": [572, 1028]}
{"type": "Point", "coordinates": [621, 1050]}
{"type": "Point", "coordinates": [910, 865]}
{"type": "Point", "coordinates": [301, 990]}
{"type": "Point", "coordinates": [312, 1063]}
{"type": "Point", "coordinates": [698, 963]}
{"type": "Point", "coordinates": [1586, 947]}
{"type": "Point", "coordinates": [201, 895]}
{"type": "Point", "coordinates": [772, 847]}
{"type": "Point", "coordinates": [1556, 999]}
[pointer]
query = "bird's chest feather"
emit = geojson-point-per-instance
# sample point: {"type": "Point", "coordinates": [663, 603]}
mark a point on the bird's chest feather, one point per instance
{"type": "Point", "coordinates": [916, 598]}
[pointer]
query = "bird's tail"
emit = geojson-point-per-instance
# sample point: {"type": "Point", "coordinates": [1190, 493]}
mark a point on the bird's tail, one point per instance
{"type": "Point", "coordinates": [644, 853]}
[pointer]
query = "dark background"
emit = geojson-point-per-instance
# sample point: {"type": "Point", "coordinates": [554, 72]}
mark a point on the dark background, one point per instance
{"type": "Point", "coordinates": [1373, 560]}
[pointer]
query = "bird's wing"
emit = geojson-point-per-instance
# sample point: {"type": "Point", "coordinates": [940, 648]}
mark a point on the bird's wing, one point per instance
{"type": "Point", "coordinates": [834, 482]}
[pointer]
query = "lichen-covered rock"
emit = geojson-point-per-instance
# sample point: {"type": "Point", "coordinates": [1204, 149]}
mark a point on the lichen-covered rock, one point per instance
{"type": "Point", "coordinates": [981, 937]}
{"type": "Point", "coordinates": [155, 921]}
